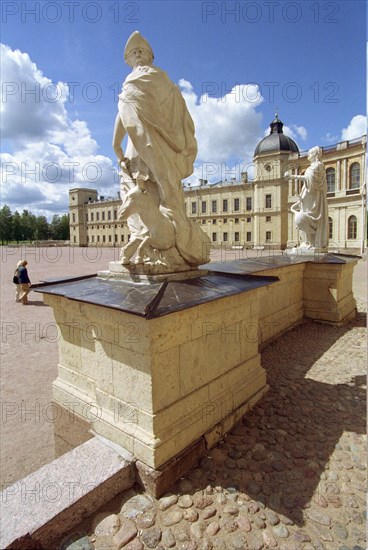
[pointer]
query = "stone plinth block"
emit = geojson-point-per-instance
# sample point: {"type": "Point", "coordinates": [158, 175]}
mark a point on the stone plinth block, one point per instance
{"type": "Point", "coordinates": [157, 385]}
{"type": "Point", "coordinates": [328, 292]}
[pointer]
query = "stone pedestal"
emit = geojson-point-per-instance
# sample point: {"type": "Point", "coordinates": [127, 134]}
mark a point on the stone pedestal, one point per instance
{"type": "Point", "coordinates": [166, 368]}
{"type": "Point", "coordinates": [155, 386]}
{"type": "Point", "coordinates": [327, 293]}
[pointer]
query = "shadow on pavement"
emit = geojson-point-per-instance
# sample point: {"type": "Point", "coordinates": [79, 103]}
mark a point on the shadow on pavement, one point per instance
{"type": "Point", "coordinates": [278, 453]}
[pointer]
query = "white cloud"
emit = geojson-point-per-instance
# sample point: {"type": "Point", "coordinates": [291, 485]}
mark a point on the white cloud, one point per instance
{"type": "Point", "coordinates": [51, 153]}
{"type": "Point", "coordinates": [228, 129]}
{"type": "Point", "coordinates": [330, 138]}
{"type": "Point", "coordinates": [356, 128]}
{"type": "Point", "coordinates": [32, 106]}
{"type": "Point", "coordinates": [300, 132]}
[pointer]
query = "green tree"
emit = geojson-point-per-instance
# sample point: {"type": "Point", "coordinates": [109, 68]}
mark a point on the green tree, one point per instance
{"type": "Point", "coordinates": [28, 225]}
{"type": "Point", "coordinates": [42, 229]}
{"type": "Point", "coordinates": [17, 227]}
{"type": "Point", "coordinates": [6, 224]}
{"type": "Point", "coordinates": [60, 227]}
{"type": "Point", "coordinates": [55, 227]}
{"type": "Point", "coordinates": [64, 227]}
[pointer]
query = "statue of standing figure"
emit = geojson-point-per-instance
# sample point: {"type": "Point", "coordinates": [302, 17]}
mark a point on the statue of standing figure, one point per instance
{"type": "Point", "coordinates": [161, 149]}
{"type": "Point", "coordinates": [311, 210]}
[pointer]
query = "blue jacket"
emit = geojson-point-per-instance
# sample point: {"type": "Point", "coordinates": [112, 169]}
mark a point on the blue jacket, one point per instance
{"type": "Point", "coordinates": [23, 275]}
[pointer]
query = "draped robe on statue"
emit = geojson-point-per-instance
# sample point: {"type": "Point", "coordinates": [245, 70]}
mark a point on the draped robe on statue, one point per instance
{"type": "Point", "coordinates": [162, 149]}
{"type": "Point", "coordinates": [314, 201]}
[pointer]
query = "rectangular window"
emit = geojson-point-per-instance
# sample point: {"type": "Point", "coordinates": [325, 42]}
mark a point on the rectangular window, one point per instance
{"type": "Point", "coordinates": [249, 203]}
{"type": "Point", "coordinates": [203, 222]}
{"type": "Point", "coordinates": [268, 236]}
{"type": "Point", "coordinates": [249, 236]}
{"type": "Point", "coordinates": [103, 216]}
{"type": "Point", "coordinates": [225, 238]}
{"type": "Point", "coordinates": [249, 220]}
{"type": "Point", "coordinates": [116, 238]}
{"type": "Point", "coordinates": [214, 207]}
{"type": "Point", "coordinates": [214, 222]}
{"type": "Point", "coordinates": [92, 217]}
{"type": "Point", "coordinates": [109, 238]}
{"type": "Point", "coordinates": [236, 205]}
{"type": "Point", "coordinates": [97, 216]}
{"type": "Point", "coordinates": [194, 208]}
{"type": "Point", "coordinates": [204, 207]}
{"type": "Point", "coordinates": [268, 201]}
{"type": "Point", "coordinates": [73, 217]}
{"type": "Point", "coordinates": [236, 220]}
{"type": "Point", "coordinates": [225, 220]}
{"type": "Point", "coordinates": [98, 238]}
{"type": "Point", "coordinates": [268, 218]}
{"type": "Point", "coordinates": [224, 205]}
{"type": "Point", "coordinates": [93, 238]}
{"type": "Point", "coordinates": [86, 216]}
{"type": "Point", "coordinates": [103, 238]}
{"type": "Point", "coordinates": [115, 214]}
{"type": "Point", "coordinates": [109, 214]}
{"type": "Point", "coordinates": [214, 237]}
{"type": "Point", "coordinates": [236, 236]}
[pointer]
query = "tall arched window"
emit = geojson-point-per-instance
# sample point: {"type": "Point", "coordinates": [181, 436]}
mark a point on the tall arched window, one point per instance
{"type": "Point", "coordinates": [354, 181]}
{"type": "Point", "coordinates": [330, 228]}
{"type": "Point", "coordinates": [352, 227]}
{"type": "Point", "coordinates": [330, 177]}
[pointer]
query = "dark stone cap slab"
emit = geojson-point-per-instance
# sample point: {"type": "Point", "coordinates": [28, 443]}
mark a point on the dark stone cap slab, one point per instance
{"type": "Point", "coordinates": [155, 299]}
{"type": "Point", "coordinates": [254, 265]}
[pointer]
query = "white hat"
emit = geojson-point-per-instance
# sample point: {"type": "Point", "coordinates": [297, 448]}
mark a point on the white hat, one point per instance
{"type": "Point", "coordinates": [136, 40]}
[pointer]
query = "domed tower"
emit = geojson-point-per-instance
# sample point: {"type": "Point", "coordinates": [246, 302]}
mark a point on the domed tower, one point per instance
{"type": "Point", "coordinates": [271, 160]}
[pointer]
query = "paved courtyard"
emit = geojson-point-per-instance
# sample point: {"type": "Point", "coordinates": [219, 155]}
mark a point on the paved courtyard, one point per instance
{"type": "Point", "coordinates": [290, 475]}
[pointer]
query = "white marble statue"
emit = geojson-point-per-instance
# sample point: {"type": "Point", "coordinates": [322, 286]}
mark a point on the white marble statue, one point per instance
{"type": "Point", "coordinates": [161, 149]}
{"type": "Point", "coordinates": [311, 211]}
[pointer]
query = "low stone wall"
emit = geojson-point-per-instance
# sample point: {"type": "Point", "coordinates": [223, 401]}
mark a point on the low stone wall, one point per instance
{"type": "Point", "coordinates": [281, 305]}
{"type": "Point", "coordinates": [156, 386]}
{"type": "Point", "coordinates": [50, 243]}
{"type": "Point", "coordinates": [316, 290]}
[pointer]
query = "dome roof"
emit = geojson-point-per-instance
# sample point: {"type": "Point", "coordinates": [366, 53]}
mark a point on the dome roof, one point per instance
{"type": "Point", "coordinates": [276, 140]}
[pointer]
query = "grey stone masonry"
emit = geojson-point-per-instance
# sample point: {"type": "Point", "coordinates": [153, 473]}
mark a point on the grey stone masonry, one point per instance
{"type": "Point", "coordinates": [38, 508]}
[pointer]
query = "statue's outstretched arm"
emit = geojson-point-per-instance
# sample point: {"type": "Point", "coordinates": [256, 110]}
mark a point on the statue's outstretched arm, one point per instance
{"type": "Point", "coordinates": [297, 177]}
{"type": "Point", "coordinates": [300, 177]}
{"type": "Point", "coordinates": [119, 133]}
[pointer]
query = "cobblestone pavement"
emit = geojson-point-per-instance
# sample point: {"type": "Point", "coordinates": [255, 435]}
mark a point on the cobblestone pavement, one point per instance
{"type": "Point", "coordinates": [290, 475]}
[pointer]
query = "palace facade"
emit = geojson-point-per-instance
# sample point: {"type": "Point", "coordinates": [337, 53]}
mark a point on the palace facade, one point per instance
{"type": "Point", "coordinates": [249, 213]}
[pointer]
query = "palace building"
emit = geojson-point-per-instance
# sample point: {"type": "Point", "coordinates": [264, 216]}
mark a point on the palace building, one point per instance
{"type": "Point", "coordinates": [249, 213]}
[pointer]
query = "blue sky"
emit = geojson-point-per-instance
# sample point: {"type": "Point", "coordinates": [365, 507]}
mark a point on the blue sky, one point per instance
{"type": "Point", "coordinates": [236, 62]}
